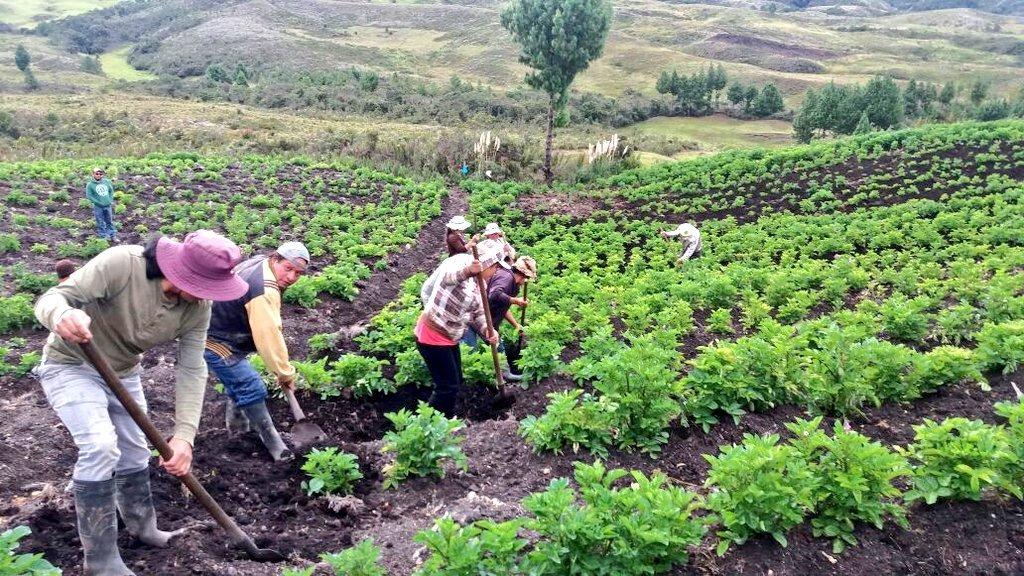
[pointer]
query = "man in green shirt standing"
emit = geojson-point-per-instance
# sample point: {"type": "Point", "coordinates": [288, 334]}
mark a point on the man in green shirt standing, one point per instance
{"type": "Point", "coordinates": [100, 191]}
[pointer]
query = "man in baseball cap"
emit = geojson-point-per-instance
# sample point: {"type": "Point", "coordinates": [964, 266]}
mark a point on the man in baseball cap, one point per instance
{"type": "Point", "coordinates": [252, 323]}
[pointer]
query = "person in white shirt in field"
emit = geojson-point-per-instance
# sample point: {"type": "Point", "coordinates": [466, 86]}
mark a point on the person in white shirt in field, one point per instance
{"type": "Point", "coordinates": [689, 235]}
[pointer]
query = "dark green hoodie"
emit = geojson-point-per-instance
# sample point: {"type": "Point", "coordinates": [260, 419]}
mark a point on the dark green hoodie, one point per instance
{"type": "Point", "coordinates": [100, 192]}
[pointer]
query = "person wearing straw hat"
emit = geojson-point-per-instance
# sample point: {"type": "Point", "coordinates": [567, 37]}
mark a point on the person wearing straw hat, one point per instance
{"type": "Point", "coordinates": [455, 237]}
{"type": "Point", "coordinates": [451, 305]}
{"type": "Point", "coordinates": [127, 300]}
{"type": "Point", "coordinates": [689, 235]}
{"type": "Point", "coordinates": [250, 324]}
{"type": "Point", "coordinates": [502, 294]}
{"type": "Point", "coordinates": [493, 232]}
{"type": "Point", "coordinates": [100, 192]}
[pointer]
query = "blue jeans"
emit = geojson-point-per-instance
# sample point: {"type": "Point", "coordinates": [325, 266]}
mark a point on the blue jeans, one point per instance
{"type": "Point", "coordinates": [241, 381]}
{"type": "Point", "coordinates": [104, 221]}
{"type": "Point", "coordinates": [473, 340]}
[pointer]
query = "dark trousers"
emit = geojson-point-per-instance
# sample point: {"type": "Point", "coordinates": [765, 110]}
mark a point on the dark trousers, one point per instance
{"type": "Point", "coordinates": [445, 366]}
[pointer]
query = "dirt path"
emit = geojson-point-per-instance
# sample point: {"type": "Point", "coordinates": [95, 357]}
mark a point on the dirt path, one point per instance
{"type": "Point", "coordinates": [348, 318]}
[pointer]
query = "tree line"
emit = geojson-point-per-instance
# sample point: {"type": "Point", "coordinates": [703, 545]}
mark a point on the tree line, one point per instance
{"type": "Point", "coordinates": [881, 104]}
{"type": "Point", "coordinates": [699, 94]}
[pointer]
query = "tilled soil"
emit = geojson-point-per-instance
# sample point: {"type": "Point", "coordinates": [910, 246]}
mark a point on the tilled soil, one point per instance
{"type": "Point", "coordinates": [949, 538]}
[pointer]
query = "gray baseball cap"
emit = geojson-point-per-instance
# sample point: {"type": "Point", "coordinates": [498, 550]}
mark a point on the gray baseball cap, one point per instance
{"type": "Point", "coordinates": [293, 252]}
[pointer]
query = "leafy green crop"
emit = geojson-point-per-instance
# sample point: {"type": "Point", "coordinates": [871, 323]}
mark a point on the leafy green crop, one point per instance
{"type": "Point", "coordinates": [14, 564]}
{"type": "Point", "coordinates": [757, 487]}
{"type": "Point", "coordinates": [642, 528]}
{"type": "Point", "coordinates": [359, 560]}
{"type": "Point", "coordinates": [484, 547]}
{"type": "Point", "coordinates": [959, 458]}
{"type": "Point", "coordinates": [421, 443]}
{"type": "Point", "coordinates": [330, 471]}
{"type": "Point", "coordinates": [854, 480]}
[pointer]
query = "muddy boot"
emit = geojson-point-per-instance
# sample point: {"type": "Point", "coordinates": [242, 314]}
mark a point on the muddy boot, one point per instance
{"type": "Point", "coordinates": [135, 503]}
{"type": "Point", "coordinates": [259, 419]}
{"type": "Point", "coordinates": [234, 418]}
{"type": "Point", "coordinates": [97, 528]}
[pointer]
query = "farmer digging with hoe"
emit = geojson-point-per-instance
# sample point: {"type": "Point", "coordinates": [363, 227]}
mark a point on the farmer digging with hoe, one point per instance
{"type": "Point", "coordinates": [451, 304]}
{"type": "Point", "coordinates": [252, 323]}
{"type": "Point", "coordinates": [125, 301]}
{"type": "Point", "coordinates": [100, 191]}
{"type": "Point", "coordinates": [502, 294]}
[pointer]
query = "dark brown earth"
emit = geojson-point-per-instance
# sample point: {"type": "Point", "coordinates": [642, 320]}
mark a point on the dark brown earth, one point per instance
{"type": "Point", "coordinates": [36, 457]}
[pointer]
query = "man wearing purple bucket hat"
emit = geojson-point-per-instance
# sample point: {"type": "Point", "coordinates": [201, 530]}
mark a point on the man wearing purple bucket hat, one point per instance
{"type": "Point", "coordinates": [127, 300]}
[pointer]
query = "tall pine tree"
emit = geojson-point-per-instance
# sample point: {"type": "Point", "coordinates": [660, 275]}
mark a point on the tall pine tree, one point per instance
{"type": "Point", "coordinates": [557, 39]}
{"type": "Point", "coordinates": [21, 58]}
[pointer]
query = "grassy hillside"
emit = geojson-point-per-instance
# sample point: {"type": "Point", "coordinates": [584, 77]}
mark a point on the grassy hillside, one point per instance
{"type": "Point", "coordinates": [27, 13]}
{"type": "Point", "coordinates": [436, 40]}
{"type": "Point", "coordinates": [432, 41]}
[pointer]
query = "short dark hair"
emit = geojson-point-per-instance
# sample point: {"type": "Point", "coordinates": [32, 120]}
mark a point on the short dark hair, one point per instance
{"type": "Point", "coordinates": [64, 268]}
{"type": "Point", "coordinates": [153, 271]}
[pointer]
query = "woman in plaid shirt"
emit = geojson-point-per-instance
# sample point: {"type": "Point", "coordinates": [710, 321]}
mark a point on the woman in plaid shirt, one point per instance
{"type": "Point", "coordinates": [451, 303]}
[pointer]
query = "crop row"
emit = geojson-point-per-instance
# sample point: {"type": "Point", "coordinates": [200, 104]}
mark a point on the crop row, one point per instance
{"type": "Point", "coordinates": [616, 522]}
{"type": "Point", "coordinates": [350, 218]}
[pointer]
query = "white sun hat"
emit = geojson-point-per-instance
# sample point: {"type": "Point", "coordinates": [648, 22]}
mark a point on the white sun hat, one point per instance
{"type": "Point", "coordinates": [458, 223]}
{"type": "Point", "coordinates": [492, 228]}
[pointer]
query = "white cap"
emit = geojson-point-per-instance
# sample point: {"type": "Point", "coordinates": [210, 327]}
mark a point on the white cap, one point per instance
{"type": "Point", "coordinates": [293, 252]}
{"type": "Point", "coordinates": [492, 228]}
{"type": "Point", "coordinates": [458, 223]}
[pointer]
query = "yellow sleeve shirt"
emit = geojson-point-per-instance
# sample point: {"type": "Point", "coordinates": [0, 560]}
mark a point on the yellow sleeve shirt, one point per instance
{"type": "Point", "coordinates": [267, 329]}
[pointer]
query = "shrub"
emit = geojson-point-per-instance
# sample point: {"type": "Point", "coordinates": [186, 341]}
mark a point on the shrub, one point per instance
{"type": "Point", "coordinates": [642, 528]}
{"type": "Point", "coordinates": [330, 471]}
{"type": "Point", "coordinates": [854, 480]}
{"type": "Point", "coordinates": [421, 443]}
{"type": "Point", "coordinates": [39, 248]}
{"type": "Point", "coordinates": [359, 560]}
{"type": "Point", "coordinates": [959, 458]}
{"type": "Point", "coordinates": [759, 486]}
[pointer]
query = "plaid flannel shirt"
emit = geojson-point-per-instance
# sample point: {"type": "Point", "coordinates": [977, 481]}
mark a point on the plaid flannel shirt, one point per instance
{"type": "Point", "coordinates": [452, 299]}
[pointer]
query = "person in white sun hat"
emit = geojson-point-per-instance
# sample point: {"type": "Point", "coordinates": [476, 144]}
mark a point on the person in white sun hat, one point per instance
{"type": "Point", "coordinates": [455, 237]}
{"type": "Point", "coordinates": [494, 232]}
{"type": "Point", "coordinates": [689, 235]}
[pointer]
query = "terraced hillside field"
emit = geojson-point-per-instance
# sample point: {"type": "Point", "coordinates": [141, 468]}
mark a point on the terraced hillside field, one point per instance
{"type": "Point", "coordinates": [874, 282]}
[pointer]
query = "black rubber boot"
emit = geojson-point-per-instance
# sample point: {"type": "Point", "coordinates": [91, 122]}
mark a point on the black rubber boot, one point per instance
{"type": "Point", "coordinates": [259, 419]}
{"type": "Point", "coordinates": [512, 354]}
{"type": "Point", "coordinates": [234, 418]}
{"type": "Point", "coordinates": [135, 503]}
{"type": "Point", "coordinates": [97, 528]}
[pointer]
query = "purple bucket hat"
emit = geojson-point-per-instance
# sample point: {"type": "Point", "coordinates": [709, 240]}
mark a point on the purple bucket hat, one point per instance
{"type": "Point", "coordinates": [202, 265]}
